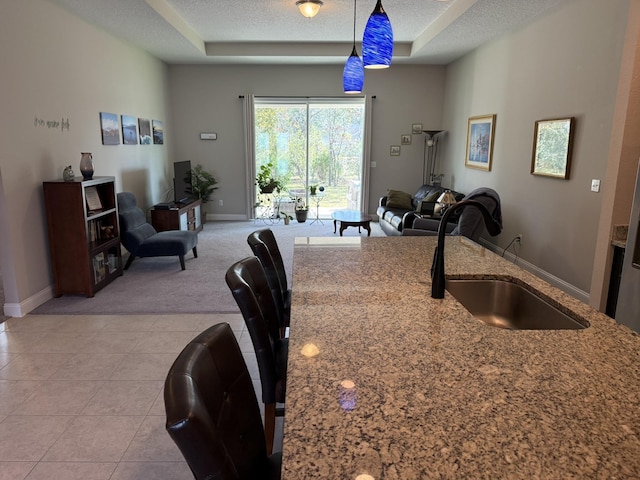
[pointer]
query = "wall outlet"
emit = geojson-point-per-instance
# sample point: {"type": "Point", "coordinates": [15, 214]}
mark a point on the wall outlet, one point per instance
{"type": "Point", "coordinates": [221, 203]}
{"type": "Point", "coordinates": [518, 239]}
{"type": "Point", "coordinates": [595, 185]}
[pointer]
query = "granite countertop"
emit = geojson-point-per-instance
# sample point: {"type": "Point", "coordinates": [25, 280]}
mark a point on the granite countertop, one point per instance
{"type": "Point", "coordinates": [437, 393]}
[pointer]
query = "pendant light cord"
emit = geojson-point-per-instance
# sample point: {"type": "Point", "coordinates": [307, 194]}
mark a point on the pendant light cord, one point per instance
{"type": "Point", "coordinates": [354, 23]}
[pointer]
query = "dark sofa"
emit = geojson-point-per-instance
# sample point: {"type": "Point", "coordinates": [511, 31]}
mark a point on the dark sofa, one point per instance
{"type": "Point", "coordinates": [396, 210]}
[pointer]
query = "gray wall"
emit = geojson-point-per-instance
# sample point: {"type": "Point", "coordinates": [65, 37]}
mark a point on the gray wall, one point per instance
{"type": "Point", "coordinates": [57, 66]}
{"type": "Point", "coordinates": [565, 64]}
{"type": "Point", "coordinates": [205, 99]}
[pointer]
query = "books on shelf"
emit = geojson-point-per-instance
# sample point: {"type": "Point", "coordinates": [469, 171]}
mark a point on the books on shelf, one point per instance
{"type": "Point", "coordinates": [99, 270]}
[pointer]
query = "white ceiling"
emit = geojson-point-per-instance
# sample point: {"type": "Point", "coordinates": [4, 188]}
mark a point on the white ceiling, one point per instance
{"type": "Point", "coordinates": [274, 31]}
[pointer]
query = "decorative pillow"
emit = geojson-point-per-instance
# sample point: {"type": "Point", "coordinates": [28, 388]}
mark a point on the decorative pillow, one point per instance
{"type": "Point", "coordinates": [399, 199]}
{"type": "Point", "coordinates": [431, 198]}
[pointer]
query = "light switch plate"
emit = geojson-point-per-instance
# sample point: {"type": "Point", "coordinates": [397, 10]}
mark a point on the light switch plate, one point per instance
{"type": "Point", "coordinates": [595, 185]}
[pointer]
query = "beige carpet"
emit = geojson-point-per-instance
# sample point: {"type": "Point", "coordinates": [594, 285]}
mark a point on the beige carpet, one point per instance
{"type": "Point", "coordinates": [157, 285]}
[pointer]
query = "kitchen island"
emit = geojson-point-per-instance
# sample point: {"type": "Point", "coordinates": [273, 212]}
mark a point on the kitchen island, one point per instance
{"type": "Point", "coordinates": [407, 387]}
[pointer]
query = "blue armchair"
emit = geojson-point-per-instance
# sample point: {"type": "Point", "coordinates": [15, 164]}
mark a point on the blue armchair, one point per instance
{"type": "Point", "coordinates": [142, 240]}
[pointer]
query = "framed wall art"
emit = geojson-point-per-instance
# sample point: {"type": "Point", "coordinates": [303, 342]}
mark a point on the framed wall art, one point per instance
{"type": "Point", "coordinates": [129, 130]}
{"type": "Point", "coordinates": [158, 132]}
{"type": "Point", "coordinates": [552, 144]}
{"type": "Point", "coordinates": [395, 150]}
{"type": "Point", "coordinates": [405, 139]}
{"type": "Point", "coordinates": [480, 133]}
{"type": "Point", "coordinates": [145, 131]}
{"type": "Point", "coordinates": [416, 128]}
{"type": "Point", "coordinates": [110, 128]}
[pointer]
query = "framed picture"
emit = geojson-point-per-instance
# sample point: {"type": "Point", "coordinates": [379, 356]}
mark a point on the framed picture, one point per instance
{"type": "Point", "coordinates": [552, 143]}
{"type": "Point", "coordinates": [395, 150]}
{"type": "Point", "coordinates": [416, 128]}
{"type": "Point", "coordinates": [110, 128]}
{"type": "Point", "coordinates": [405, 139]}
{"type": "Point", "coordinates": [129, 130]}
{"type": "Point", "coordinates": [480, 132]}
{"type": "Point", "coordinates": [158, 132]}
{"type": "Point", "coordinates": [145, 131]}
{"type": "Point", "coordinates": [93, 199]}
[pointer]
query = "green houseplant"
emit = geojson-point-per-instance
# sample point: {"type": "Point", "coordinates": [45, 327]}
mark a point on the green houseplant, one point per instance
{"type": "Point", "coordinates": [266, 181]}
{"type": "Point", "coordinates": [302, 210]}
{"type": "Point", "coordinates": [201, 186]}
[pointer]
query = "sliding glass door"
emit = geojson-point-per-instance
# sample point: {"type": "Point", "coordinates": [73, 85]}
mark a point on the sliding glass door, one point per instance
{"type": "Point", "coordinates": [313, 143]}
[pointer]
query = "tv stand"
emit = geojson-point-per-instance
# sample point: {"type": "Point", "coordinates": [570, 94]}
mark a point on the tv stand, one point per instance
{"type": "Point", "coordinates": [181, 217]}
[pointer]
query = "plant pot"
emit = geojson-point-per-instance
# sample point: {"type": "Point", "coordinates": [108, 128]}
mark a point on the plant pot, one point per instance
{"type": "Point", "coordinates": [267, 189]}
{"type": "Point", "coordinates": [286, 220]}
{"type": "Point", "coordinates": [301, 215]}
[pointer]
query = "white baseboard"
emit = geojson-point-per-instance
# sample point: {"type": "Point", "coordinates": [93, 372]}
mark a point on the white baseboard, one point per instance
{"type": "Point", "coordinates": [226, 216]}
{"type": "Point", "coordinates": [538, 272]}
{"type": "Point", "coordinates": [31, 303]}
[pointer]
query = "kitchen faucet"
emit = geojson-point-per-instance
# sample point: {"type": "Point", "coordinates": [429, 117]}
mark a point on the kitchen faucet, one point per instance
{"type": "Point", "coordinates": [437, 268]}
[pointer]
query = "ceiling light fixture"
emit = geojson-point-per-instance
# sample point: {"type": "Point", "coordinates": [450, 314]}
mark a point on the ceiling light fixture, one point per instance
{"type": "Point", "coordinates": [377, 43]}
{"type": "Point", "coordinates": [309, 8]}
{"type": "Point", "coordinates": [353, 74]}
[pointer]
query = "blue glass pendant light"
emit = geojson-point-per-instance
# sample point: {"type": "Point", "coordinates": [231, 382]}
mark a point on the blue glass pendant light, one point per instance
{"type": "Point", "coordinates": [353, 74]}
{"type": "Point", "coordinates": [377, 43]}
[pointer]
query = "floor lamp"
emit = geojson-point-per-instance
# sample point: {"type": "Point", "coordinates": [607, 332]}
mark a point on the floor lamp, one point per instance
{"type": "Point", "coordinates": [430, 155]}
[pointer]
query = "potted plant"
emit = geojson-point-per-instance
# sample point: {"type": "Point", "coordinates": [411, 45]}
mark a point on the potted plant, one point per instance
{"type": "Point", "coordinates": [302, 210]}
{"type": "Point", "coordinates": [201, 185]}
{"type": "Point", "coordinates": [287, 217]}
{"type": "Point", "coordinates": [312, 189]}
{"type": "Point", "coordinates": [265, 180]}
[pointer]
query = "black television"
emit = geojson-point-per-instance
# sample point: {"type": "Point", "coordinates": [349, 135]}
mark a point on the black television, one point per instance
{"type": "Point", "coordinates": [182, 181]}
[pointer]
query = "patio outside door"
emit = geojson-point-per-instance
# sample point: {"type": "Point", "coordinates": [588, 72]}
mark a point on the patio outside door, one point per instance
{"type": "Point", "coordinates": [313, 143]}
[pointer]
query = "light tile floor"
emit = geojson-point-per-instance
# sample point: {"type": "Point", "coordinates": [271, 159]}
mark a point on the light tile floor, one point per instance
{"type": "Point", "coordinates": [81, 397]}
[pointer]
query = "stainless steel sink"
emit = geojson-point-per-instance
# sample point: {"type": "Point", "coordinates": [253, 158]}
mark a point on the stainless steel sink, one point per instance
{"type": "Point", "coordinates": [505, 304]}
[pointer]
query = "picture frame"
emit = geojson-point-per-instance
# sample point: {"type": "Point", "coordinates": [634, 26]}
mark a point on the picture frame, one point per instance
{"type": "Point", "coordinates": [552, 147]}
{"type": "Point", "coordinates": [129, 130]}
{"type": "Point", "coordinates": [405, 139]}
{"type": "Point", "coordinates": [110, 128]}
{"type": "Point", "coordinates": [144, 125]}
{"type": "Point", "coordinates": [394, 150]}
{"type": "Point", "coordinates": [416, 128]}
{"type": "Point", "coordinates": [480, 135]}
{"type": "Point", "coordinates": [158, 132]}
{"type": "Point", "coordinates": [93, 199]}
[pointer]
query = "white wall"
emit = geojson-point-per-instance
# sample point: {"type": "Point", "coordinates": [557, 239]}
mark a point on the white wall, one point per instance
{"type": "Point", "coordinates": [56, 66]}
{"type": "Point", "coordinates": [205, 99]}
{"type": "Point", "coordinates": [565, 64]}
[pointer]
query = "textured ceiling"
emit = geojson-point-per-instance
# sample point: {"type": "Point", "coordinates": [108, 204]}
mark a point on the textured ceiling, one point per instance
{"type": "Point", "coordinates": [273, 31]}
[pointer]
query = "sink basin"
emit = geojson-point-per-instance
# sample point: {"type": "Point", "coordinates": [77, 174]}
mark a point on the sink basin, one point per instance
{"type": "Point", "coordinates": [505, 304]}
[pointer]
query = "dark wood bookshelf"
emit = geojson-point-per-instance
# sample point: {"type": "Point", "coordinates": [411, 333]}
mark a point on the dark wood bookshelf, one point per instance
{"type": "Point", "coordinates": [84, 243]}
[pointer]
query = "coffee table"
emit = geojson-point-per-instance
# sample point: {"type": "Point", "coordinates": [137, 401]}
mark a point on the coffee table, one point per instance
{"type": "Point", "coordinates": [351, 218]}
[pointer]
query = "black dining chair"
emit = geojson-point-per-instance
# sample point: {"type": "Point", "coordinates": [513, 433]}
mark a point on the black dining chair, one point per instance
{"type": "Point", "coordinates": [264, 246]}
{"type": "Point", "coordinates": [247, 281]}
{"type": "Point", "coordinates": [212, 411]}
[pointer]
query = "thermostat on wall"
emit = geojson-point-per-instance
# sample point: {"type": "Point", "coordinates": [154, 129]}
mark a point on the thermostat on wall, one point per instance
{"type": "Point", "coordinates": [208, 136]}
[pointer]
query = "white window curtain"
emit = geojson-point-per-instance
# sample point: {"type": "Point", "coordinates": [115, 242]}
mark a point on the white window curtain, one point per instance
{"type": "Point", "coordinates": [249, 151]}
